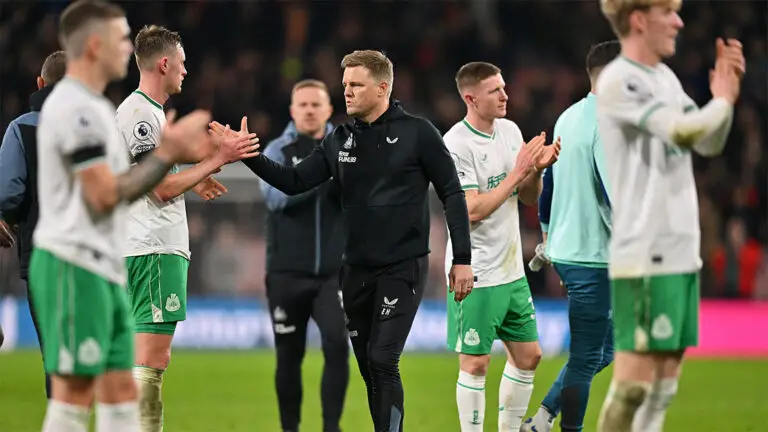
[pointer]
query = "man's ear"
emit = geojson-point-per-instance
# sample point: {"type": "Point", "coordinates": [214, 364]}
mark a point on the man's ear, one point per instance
{"type": "Point", "coordinates": [40, 83]}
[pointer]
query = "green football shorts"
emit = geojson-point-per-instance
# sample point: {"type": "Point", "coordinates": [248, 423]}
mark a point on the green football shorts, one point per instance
{"type": "Point", "coordinates": [656, 313]}
{"type": "Point", "coordinates": [503, 312]}
{"type": "Point", "coordinates": [157, 288]}
{"type": "Point", "coordinates": [84, 320]}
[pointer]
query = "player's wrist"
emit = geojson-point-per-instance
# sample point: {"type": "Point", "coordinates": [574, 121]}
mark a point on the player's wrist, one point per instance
{"type": "Point", "coordinates": [164, 154]}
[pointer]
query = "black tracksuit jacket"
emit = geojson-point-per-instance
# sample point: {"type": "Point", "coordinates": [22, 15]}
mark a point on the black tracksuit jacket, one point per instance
{"type": "Point", "coordinates": [383, 170]}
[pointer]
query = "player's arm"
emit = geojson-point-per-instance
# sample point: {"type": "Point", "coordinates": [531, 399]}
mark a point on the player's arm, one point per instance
{"type": "Point", "coordinates": [102, 189]}
{"type": "Point", "coordinates": [632, 101]}
{"type": "Point", "coordinates": [440, 170]}
{"type": "Point", "coordinates": [293, 180]}
{"type": "Point", "coordinates": [276, 199]}
{"type": "Point", "coordinates": [13, 174]}
{"type": "Point", "coordinates": [713, 144]}
{"type": "Point", "coordinates": [529, 190]}
{"type": "Point", "coordinates": [144, 138]}
{"type": "Point", "coordinates": [85, 145]}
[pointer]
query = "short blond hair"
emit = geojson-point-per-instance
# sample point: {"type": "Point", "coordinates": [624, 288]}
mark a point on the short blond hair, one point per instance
{"type": "Point", "coordinates": [471, 74]}
{"type": "Point", "coordinates": [310, 83]}
{"type": "Point", "coordinates": [617, 12]}
{"type": "Point", "coordinates": [153, 41]}
{"type": "Point", "coordinates": [376, 62]}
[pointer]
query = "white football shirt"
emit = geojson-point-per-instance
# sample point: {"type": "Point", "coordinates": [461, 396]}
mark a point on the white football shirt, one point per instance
{"type": "Point", "coordinates": [482, 162]}
{"type": "Point", "coordinates": [153, 227]}
{"type": "Point", "coordinates": [653, 192]}
{"type": "Point", "coordinates": [78, 124]}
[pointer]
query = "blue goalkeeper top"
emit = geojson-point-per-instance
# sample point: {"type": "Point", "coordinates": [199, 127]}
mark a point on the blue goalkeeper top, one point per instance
{"type": "Point", "coordinates": [574, 208]}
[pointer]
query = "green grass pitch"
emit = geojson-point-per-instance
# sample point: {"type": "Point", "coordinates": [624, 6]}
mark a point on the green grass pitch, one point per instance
{"type": "Point", "coordinates": [234, 391]}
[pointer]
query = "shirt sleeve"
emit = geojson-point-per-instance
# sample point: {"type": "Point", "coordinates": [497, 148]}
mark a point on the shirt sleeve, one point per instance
{"type": "Point", "coordinates": [84, 136]}
{"type": "Point", "coordinates": [442, 173]}
{"type": "Point", "coordinates": [13, 173]}
{"type": "Point", "coordinates": [632, 100]}
{"type": "Point", "coordinates": [464, 161]}
{"type": "Point", "coordinates": [141, 133]}
{"type": "Point", "coordinates": [275, 198]}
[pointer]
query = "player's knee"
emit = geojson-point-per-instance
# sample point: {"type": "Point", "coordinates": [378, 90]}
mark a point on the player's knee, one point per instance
{"type": "Point", "coordinates": [476, 365]}
{"type": "Point", "coordinates": [73, 389]}
{"type": "Point", "coordinates": [584, 365]}
{"type": "Point", "coordinates": [382, 360]}
{"type": "Point", "coordinates": [335, 347]}
{"type": "Point", "coordinates": [117, 387]}
{"type": "Point", "coordinates": [530, 358]}
{"type": "Point", "coordinates": [290, 349]}
{"type": "Point", "coordinates": [631, 394]}
{"type": "Point", "coordinates": [153, 350]}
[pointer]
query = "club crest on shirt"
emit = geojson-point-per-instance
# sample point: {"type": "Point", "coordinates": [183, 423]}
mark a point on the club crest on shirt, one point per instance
{"type": "Point", "coordinates": [636, 89]}
{"type": "Point", "coordinates": [349, 143]}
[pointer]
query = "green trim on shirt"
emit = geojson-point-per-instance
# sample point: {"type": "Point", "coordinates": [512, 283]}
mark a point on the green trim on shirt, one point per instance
{"type": "Point", "coordinates": [647, 114]}
{"type": "Point", "coordinates": [152, 101]}
{"type": "Point", "coordinates": [477, 132]}
{"type": "Point", "coordinates": [639, 65]}
{"type": "Point", "coordinates": [470, 186]}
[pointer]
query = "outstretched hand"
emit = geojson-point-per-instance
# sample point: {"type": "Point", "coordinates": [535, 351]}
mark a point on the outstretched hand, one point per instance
{"type": "Point", "coordinates": [234, 145]}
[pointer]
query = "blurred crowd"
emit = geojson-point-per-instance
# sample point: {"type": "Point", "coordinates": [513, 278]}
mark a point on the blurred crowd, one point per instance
{"type": "Point", "coordinates": [244, 57]}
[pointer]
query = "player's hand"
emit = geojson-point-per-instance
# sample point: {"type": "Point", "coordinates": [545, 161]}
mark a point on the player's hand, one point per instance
{"type": "Point", "coordinates": [460, 281]}
{"type": "Point", "coordinates": [209, 189]}
{"type": "Point", "coordinates": [548, 155]}
{"type": "Point", "coordinates": [731, 52]}
{"type": "Point", "coordinates": [186, 139]}
{"type": "Point", "coordinates": [6, 235]}
{"type": "Point", "coordinates": [525, 163]}
{"type": "Point", "coordinates": [234, 146]}
{"type": "Point", "coordinates": [724, 81]}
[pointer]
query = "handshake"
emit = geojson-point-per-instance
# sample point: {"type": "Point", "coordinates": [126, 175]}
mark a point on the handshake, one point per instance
{"type": "Point", "coordinates": [195, 137]}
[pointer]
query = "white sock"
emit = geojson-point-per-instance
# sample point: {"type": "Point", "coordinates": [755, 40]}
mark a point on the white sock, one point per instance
{"type": "Point", "coordinates": [543, 419]}
{"type": "Point", "coordinates": [63, 417]}
{"type": "Point", "coordinates": [470, 398]}
{"type": "Point", "coordinates": [150, 383]}
{"type": "Point", "coordinates": [650, 416]}
{"type": "Point", "coordinates": [515, 392]}
{"type": "Point", "coordinates": [121, 417]}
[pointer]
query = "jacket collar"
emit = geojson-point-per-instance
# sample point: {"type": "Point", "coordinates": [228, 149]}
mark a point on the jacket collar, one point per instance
{"type": "Point", "coordinates": [37, 98]}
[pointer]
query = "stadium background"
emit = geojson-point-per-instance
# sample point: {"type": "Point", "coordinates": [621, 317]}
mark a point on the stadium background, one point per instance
{"type": "Point", "coordinates": [244, 57]}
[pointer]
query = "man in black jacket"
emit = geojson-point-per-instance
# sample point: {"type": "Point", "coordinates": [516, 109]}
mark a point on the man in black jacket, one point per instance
{"type": "Point", "coordinates": [18, 173]}
{"type": "Point", "coordinates": [305, 242]}
{"type": "Point", "coordinates": [383, 164]}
